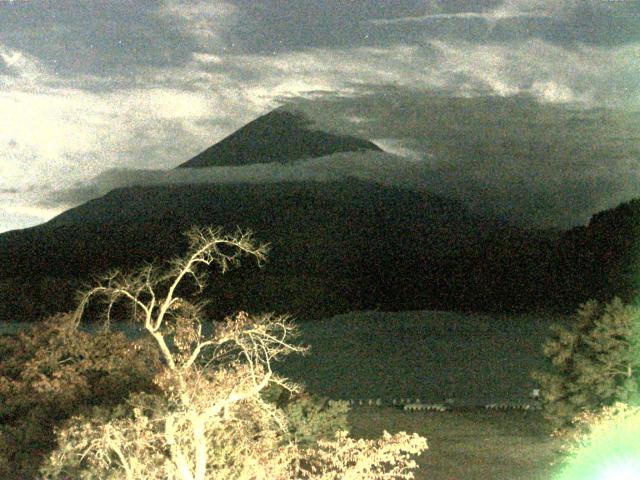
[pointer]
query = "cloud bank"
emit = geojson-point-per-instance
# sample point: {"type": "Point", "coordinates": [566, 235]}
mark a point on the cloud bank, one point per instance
{"type": "Point", "coordinates": [87, 87]}
{"type": "Point", "coordinates": [376, 166]}
{"type": "Point", "coordinates": [531, 164]}
{"type": "Point", "coordinates": [545, 164]}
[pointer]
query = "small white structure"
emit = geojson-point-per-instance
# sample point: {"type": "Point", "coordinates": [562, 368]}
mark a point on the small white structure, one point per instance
{"type": "Point", "coordinates": [511, 406]}
{"type": "Point", "coordinates": [415, 407]}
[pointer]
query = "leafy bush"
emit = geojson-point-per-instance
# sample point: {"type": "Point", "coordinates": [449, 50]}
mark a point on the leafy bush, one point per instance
{"type": "Point", "coordinates": [52, 371]}
{"type": "Point", "coordinates": [386, 458]}
{"type": "Point", "coordinates": [310, 418]}
{"type": "Point", "coordinates": [593, 364]}
{"type": "Point", "coordinates": [208, 419]}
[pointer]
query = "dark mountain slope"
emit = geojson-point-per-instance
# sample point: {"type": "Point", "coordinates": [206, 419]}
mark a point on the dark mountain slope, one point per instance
{"type": "Point", "coordinates": [336, 246]}
{"type": "Point", "coordinates": [278, 136]}
{"type": "Point", "coordinates": [326, 218]}
{"type": "Point", "coordinates": [602, 259]}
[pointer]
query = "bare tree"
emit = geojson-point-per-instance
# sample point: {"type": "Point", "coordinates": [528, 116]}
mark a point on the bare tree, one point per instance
{"type": "Point", "coordinates": [211, 421]}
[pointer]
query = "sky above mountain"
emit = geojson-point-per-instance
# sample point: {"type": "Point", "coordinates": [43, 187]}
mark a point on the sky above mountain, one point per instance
{"type": "Point", "coordinates": [535, 100]}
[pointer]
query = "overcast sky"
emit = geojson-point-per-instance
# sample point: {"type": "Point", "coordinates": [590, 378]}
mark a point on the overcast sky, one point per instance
{"type": "Point", "coordinates": [526, 105]}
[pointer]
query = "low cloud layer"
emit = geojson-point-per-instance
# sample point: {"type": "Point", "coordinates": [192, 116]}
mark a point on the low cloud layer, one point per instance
{"type": "Point", "coordinates": [546, 164]}
{"type": "Point", "coordinates": [376, 166]}
{"type": "Point", "coordinates": [534, 164]}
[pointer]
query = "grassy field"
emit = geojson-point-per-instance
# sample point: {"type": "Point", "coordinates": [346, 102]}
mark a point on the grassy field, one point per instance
{"type": "Point", "coordinates": [479, 445]}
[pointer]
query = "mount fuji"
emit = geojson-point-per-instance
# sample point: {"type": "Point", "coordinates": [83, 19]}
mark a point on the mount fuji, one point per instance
{"type": "Point", "coordinates": [347, 232]}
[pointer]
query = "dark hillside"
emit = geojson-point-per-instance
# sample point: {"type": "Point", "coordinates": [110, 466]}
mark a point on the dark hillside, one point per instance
{"type": "Point", "coordinates": [603, 259]}
{"type": "Point", "coordinates": [336, 246]}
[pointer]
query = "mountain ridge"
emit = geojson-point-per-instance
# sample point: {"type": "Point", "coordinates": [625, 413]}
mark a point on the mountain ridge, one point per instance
{"type": "Point", "coordinates": [340, 243]}
{"type": "Point", "coordinates": [336, 245]}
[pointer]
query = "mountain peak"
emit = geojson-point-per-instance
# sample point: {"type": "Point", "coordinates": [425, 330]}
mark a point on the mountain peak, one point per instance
{"type": "Point", "coordinates": [279, 136]}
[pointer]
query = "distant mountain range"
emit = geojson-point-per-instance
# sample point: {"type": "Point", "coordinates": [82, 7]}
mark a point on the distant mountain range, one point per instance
{"type": "Point", "coordinates": [337, 245]}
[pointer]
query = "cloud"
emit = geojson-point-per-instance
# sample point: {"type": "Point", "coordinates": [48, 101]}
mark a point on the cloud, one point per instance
{"type": "Point", "coordinates": [550, 73]}
{"type": "Point", "coordinates": [6, 64]}
{"type": "Point", "coordinates": [207, 22]}
{"type": "Point", "coordinates": [382, 167]}
{"type": "Point", "coordinates": [399, 147]}
{"type": "Point", "coordinates": [52, 132]}
{"type": "Point", "coordinates": [53, 137]}
{"type": "Point", "coordinates": [553, 92]}
{"type": "Point", "coordinates": [10, 220]}
{"type": "Point", "coordinates": [510, 9]}
{"type": "Point", "coordinates": [492, 17]}
{"type": "Point", "coordinates": [18, 68]}
{"type": "Point", "coordinates": [150, 84]}
{"type": "Point", "coordinates": [535, 164]}
{"type": "Point", "coordinates": [56, 133]}
{"type": "Point", "coordinates": [568, 23]}
{"type": "Point", "coordinates": [379, 166]}
{"type": "Point", "coordinates": [272, 27]}
{"type": "Point", "coordinates": [20, 209]}
{"type": "Point", "coordinates": [546, 164]}
{"type": "Point", "coordinates": [77, 37]}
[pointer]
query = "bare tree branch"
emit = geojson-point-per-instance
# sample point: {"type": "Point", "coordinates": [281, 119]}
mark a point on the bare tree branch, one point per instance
{"type": "Point", "coordinates": [211, 387]}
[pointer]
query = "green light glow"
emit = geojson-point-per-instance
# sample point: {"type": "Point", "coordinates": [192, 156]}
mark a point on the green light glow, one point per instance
{"type": "Point", "coordinates": [612, 451]}
{"type": "Point", "coordinates": [625, 470]}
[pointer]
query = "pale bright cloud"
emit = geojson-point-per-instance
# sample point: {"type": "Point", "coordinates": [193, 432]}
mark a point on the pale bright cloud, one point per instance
{"type": "Point", "coordinates": [207, 58]}
{"type": "Point", "coordinates": [510, 9]}
{"type": "Point", "coordinates": [12, 221]}
{"type": "Point", "coordinates": [25, 69]}
{"type": "Point", "coordinates": [42, 133]}
{"type": "Point", "coordinates": [380, 166]}
{"type": "Point", "coordinates": [552, 92]}
{"type": "Point", "coordinates": [398, 147]}
{"type": "Point", "coordinates": [36, 212]}
{"type": "Point", "coordinates": [25, 210]}
{"type": "Point", "coordinates": [549, 72]}
{"type": "Point", "coordinates": [537, 8]}
{"type": "Point", "coordinates": [53, 134]}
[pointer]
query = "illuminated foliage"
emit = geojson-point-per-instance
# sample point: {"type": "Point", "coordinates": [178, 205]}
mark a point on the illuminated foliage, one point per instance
{"type": "Point", "coordinates": [309, 417]}
{"type": "Point", "coordinates": [593, 364]}
{"type": "Point", "coordinates": [53, 371]}
{"type": "Point", "coordinates": [208, 419]}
